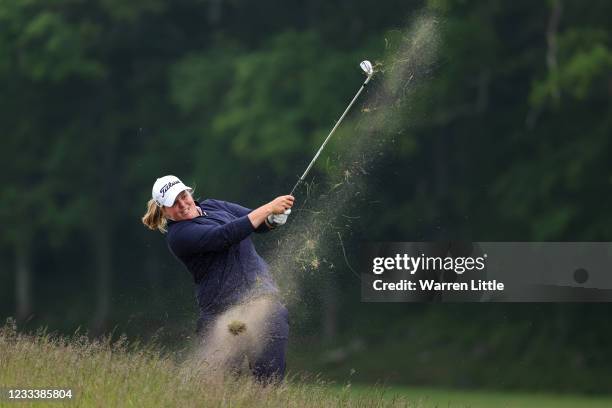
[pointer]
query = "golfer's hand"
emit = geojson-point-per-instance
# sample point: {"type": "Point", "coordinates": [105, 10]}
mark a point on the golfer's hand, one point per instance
{"type": "Point", "coordinates": [276, 220]}
{"type": "Point", "coordinates": [281, 203]}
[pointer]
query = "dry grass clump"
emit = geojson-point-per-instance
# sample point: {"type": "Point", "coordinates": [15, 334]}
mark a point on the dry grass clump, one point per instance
{"type": "Point", "coordinates": [106, 373]}
{"type": "Point", "coordinates": [236, 327]}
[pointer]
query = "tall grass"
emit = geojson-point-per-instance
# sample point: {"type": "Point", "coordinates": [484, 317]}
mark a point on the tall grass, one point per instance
{"type": "Point", "coordinates": [106, 373]}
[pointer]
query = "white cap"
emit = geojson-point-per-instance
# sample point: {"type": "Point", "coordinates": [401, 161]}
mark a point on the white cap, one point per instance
{"type": "Point", "coordinates": [166, 189]}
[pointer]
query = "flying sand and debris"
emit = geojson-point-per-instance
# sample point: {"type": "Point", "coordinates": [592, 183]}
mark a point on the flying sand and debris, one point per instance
{"type": "Point", "coordinates": [303, 248]}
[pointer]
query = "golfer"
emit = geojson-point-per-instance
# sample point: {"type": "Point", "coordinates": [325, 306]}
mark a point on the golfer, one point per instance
{"type": "Point", "coordinates": [212, 239]}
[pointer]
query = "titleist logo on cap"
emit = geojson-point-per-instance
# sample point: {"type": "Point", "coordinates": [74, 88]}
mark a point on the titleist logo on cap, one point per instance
{"type": "Point", "coordinates": [166, 187]}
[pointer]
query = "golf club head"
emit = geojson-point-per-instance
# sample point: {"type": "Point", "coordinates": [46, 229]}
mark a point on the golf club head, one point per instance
{"type": "Point", "coordinates": [366, 66]}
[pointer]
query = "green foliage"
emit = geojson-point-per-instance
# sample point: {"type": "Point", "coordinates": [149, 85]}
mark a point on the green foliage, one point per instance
{"type": "Point", "coordinates": [132, 11]}
{"type": "Point", "coordinates": [279, 98]}
{"type": "Point", "coordinates": [45, 45]}
{"type": "Point", "coordinates": [585, 63]}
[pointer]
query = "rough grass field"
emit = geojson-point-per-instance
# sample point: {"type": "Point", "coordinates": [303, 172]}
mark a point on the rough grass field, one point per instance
{"type": "Point", "coordinates": [104, 373]}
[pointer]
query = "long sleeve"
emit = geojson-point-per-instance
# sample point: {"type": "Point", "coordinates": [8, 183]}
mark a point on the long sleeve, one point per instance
{"type": "Point", "coordinates": [240, 211]}
{"type": "Point", "coordinates": [237, 210]}
{"type": "Point", "coordinates": [193, 238]}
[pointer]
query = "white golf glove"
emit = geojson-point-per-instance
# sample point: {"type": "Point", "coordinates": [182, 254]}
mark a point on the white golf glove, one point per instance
{"type": "Point", "coordinates": [276, 220]}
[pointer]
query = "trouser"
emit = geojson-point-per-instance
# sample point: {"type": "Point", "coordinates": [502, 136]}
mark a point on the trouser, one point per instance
{"type": "Point", "coordinates": [264, 341]}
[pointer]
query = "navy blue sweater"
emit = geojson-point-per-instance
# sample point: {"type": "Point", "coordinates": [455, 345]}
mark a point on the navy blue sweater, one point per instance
{"type": "Point", "coordinates": [216, 248]}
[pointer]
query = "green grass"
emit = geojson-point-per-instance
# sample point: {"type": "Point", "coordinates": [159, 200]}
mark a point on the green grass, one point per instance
{"type": "Point", "coordinates": [435, 397]}
{"type": "Point", "coordinates": [105, 373]}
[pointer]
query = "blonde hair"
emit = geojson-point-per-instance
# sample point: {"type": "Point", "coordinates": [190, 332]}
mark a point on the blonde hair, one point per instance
{"type": "Point", "coordinates": [154, 217]}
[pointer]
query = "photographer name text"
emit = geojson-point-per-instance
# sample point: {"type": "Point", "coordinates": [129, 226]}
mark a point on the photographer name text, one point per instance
{"type": "Point", "coordinates": [432, 285]}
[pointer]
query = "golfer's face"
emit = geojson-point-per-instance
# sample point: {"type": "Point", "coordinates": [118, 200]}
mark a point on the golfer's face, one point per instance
{"type": "Point", "coordinates": [184, 208]}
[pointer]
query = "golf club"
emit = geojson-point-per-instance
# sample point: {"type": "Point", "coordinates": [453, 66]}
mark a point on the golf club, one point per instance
{"type": "Point", "coordinates": [366, 66]}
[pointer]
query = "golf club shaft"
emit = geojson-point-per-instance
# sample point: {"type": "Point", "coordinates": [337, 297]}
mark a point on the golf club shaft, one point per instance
{"type": "Point", "coordinates": [314, 159]}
